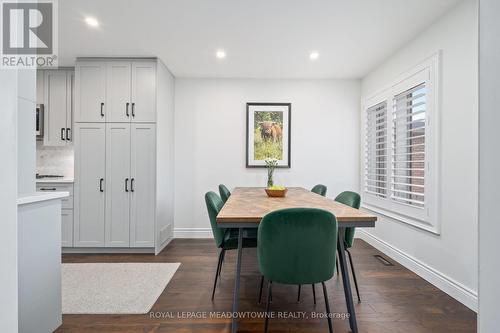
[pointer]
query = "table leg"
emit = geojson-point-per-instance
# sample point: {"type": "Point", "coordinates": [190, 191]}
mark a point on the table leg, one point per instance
{"type": "Point", "coordinates": [346, 281]}
{"type": "Point", "coordinates": [236, 295]}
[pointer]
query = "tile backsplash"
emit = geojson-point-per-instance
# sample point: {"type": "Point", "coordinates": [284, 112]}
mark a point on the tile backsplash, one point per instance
{"type": "Point", "coordinates": [55, 160]}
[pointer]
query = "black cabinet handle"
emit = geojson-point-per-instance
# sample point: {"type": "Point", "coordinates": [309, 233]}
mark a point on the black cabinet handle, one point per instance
{"type": "Point", "coordinates": [126, 184]}
{"type": "Point", "coordinates": [132, 184]}
{"type": "Point", "coordinates": [68, 132]}
{"type": "Point", "coordinates": [48, 189]}
{"type": "Point", "coordinates": [133, 109]}
{"type": "Point", "coordinates": [102, 109]}
{"type": "Point", "coordinates": [100, 184]}
{"type": "Point", "coordinates": [126, 109]}
{"type": "Point", "coordinates": [62, 134]}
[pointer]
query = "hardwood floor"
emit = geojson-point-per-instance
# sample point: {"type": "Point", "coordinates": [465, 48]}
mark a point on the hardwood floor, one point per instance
{"type": "Point", "coordinates": [393, 298]}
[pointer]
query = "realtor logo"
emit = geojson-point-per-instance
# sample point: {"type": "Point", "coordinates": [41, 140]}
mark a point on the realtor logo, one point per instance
{"type": "Point", "coordinates": [29, 34]}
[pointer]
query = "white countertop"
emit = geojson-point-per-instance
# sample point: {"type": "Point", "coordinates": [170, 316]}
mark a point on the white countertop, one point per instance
{"type": "Point", "coordinates": [56, 180]}
{"type": "Point", "coordinates": [41, 196]}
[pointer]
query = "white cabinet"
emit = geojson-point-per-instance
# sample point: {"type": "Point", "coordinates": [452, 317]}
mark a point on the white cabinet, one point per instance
{"type": "Point", "coordinates": [57, 90]}
{"type": "Point", "coordinates": [118, 185]}
{"type": "Point", "coordinates": [90, 91]}
{"type": "Point", "coordinates": [66, 227]}
{"type": "Point", "coordinates": [118, 87]}
{"type": "Point", "coordinates": [66, 208]}
{"type": "Point", "coordinates": [143, 187]}
{"type": "Point", "coordinates": [143, 91]}
{"type": "Point", "coordinates": [115, 91]}
{"type": "Point", "coordinates": [90, 168]}
{"type": "Point", "coordinates": [119, 148]}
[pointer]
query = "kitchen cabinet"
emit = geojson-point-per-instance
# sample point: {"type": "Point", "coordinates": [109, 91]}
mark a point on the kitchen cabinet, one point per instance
{"type": "Point", "coordinates": [66, 208]}
{"type": "Point", "coordinates": [118, 185]}
{"type": "Point", "coordinates": [66, 227]}
{"type": "Point", "coordinates": [143, 95]}
{"type": "Point", "coordinates": [116, 91]}
{"type": "Point", "coordinates": [58, 106]}
{"type": "Point", "coordinates": [120, 148]}
{"type": "Point", "coordinates": [90, 91]}
{"type": "Point", "coordinates": [89, 204]}
{"type": "Point", "coordinates": [129, 186]}
{"type": "Point", "coordinates": [143, 177]}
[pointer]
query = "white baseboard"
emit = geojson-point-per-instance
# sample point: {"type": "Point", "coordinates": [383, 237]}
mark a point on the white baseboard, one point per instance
{"type": "Point", "coordinates": [453, 288]}
{"type": "Point", "coordinates": [193, 233]}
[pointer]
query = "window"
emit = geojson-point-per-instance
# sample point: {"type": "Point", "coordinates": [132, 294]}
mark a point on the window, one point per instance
{"type": "Point", "coordinates": [400, 148]}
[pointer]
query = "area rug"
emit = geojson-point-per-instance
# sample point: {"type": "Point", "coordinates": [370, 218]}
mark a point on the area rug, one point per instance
{"type": "Point", "coordinates": [113, 288]}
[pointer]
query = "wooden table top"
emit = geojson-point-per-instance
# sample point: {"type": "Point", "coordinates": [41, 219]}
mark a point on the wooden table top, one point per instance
{"type": "Point", "coordinates": [250, 204]}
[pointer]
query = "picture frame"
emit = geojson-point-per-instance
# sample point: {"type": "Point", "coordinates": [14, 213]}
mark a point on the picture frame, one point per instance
{"type": "Point", "coordinates": [268, 134]}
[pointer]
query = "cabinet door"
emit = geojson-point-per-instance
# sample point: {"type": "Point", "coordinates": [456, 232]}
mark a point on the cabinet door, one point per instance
{"type": "Point", "coordinates": [89, 191]}
{"type": "Point", "coordinates": [67, 228]}
{"type": "Point", "coordinates": [90, 89]}
{"type": "Point", "coordinates": [70, 94]}
{"type": "Point", "coordinates": [143, 91]}
{"type": "Point", "coordinates": [55, 108]}
{"type": "Point", "coordinates": [117, 185]}
{"type": "Point", "coordinates": [143, 195]}
{"type": "Point", "coordinates": [118, 88]}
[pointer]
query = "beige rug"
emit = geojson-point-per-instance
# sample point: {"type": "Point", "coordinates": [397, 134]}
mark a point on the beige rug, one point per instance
{"type": "Point", "coordinates": [113, 288]}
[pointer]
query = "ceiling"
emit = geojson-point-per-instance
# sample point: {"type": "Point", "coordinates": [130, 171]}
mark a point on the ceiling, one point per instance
{"type": "Point", "coordinates": [262, 38]}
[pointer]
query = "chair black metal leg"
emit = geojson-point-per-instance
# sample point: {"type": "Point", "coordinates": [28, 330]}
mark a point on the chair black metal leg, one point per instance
{"type": "Point", "coordinates": [337, 265]}
{"type": "Point", "coordinates": [219, 263]}
{"type": "Point", "coordinates": [330, 327]}
{"type": "Point", "coordinates": [222, 261]}
{"type": "Point", "coordinates": [298, 295]}
{"type": "Point", "coordinates": [314, 293]}
{"type": "Point", "coordinates": [354, 275]}
{"type": "Point", "coordinates": [260, 289]}
{"type": "Point", "coordinates": [269, 296]}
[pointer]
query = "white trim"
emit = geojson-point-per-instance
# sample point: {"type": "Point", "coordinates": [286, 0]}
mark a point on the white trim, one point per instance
{"type": "Point", "coordinates": [193, 233]}
{"type": "Point", "coordinates": [458, 291]}
{"type": "Point", "coordinates": [426, 218]}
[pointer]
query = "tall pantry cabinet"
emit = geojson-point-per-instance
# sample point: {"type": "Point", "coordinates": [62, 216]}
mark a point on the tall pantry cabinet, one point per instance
{"type": "Point", "coordinates": [123, 137]}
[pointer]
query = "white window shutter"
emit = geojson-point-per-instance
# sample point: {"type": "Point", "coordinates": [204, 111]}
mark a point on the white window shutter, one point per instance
{"type": "Point", "coordinates": [376, 152]}
{"type": "Point", "coordinates": [408, 147]}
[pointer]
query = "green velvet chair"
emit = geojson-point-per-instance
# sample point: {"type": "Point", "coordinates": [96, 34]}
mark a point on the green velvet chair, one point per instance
{"type": "Point", "coordinates": [297, 246]}
{"type": "Point", "coordinates": [319, 189]}
{"type": "Point", "coordinates": [353, 200]}
{"type": "Point", "coordinates": [224, 192]}
{"type": "Point", "coordinates": [225, 239]}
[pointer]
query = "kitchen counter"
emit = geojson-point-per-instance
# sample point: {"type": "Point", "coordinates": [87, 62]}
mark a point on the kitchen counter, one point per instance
{"type": "Point", "coordinates": [41, 196]}
{"type": "Point", "coordinates": [56, 180]}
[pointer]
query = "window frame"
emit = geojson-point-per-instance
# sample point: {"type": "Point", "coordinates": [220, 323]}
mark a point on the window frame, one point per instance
{"type": "Point", "coordinates": [426, 218]}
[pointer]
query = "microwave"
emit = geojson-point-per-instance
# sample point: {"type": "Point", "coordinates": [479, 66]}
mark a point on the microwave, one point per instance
{"type": "Point", "coordinates": [39, 121]}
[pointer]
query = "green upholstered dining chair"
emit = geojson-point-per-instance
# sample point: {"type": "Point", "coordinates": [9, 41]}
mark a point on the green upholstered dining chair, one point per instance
{"type": "Point", "coordinates": [297, 246]}
{"type": "Point", "coordinates": [224, 192]}
{"type": "Point", "coordinates": [225, 239]}
{"type": "Point", "coordinates": [319, 189]}
{"type": "Point", "coordinates": [353, 200]}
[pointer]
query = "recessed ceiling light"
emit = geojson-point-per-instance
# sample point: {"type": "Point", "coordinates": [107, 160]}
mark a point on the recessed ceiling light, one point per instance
{"type": "Point", "coordinates": [220, 54]}
{"type": "Point", "coordinates": [91, 22]}
{"type": "Point", "coordinates": [314, 55]}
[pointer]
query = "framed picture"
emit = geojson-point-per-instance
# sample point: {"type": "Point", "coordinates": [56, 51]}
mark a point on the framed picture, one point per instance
{"type": "Point", "coordinates": [268, 134]}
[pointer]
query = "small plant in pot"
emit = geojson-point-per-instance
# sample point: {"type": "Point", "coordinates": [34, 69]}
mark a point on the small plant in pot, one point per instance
{"type": "Point", "coordinates": [273, 190]}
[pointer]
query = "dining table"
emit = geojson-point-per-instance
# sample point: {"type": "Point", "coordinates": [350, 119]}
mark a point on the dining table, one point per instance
{"type": "Point", "coordinates": [246, 207]}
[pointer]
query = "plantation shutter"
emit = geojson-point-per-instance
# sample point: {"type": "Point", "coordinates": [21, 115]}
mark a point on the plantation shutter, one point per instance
{"type": "Point", "coordinates": [376, 154]}
{"type": "Point", "coordinates": [408, 147]}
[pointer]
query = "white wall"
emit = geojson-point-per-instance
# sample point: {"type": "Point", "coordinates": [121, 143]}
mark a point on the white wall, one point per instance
{"type": "Point", "coordinates": [8, 204]}
{"type": "Point", "coordinates": [489, 164]}
{"type": "Point", "coordinates": [450, 259]}
{"type": "Point", "coordinates": [210, 125]}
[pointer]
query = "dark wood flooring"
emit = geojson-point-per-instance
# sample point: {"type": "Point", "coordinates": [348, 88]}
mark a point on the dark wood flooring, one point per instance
{"type": "Point", "coordinates": [393, 298]}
